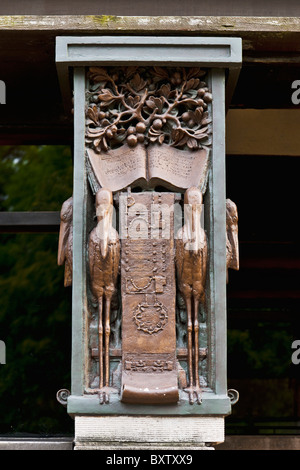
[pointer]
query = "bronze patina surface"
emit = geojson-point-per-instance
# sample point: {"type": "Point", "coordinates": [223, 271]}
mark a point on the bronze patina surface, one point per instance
{"type": "Point", "coordinates": [104, 258]}
{"type": "Point", "coordinates": [232, 242]}
{"type": "Point", "coordinates": [148, 139]}
{"type": "Point", "coordinates": [191, 264]}
{"type": "Point", "coordinates": [149, 367]}
{"type": "Point", "coordinates": [65, 242]}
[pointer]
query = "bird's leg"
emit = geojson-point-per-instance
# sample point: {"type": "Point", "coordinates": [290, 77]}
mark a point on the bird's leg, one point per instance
{"type": "Point", "coordinates": [106, 388]}
{"type": "Point", "coordinates": [196, 347]}
{"type": "Point", "coordinates": [100, 344]}
{"type": "Point", "coordinates": [104, 392]}
{"type": "Point", "coordinates": [190, 347]}
{"type": "Point", "coordinates": [107, 337]}
{"type": "Point", "coordinates": [104, 382]}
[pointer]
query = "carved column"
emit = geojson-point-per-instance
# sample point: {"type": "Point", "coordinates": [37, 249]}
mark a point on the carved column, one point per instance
{"type": "Point", "coordinates": [151, 342]}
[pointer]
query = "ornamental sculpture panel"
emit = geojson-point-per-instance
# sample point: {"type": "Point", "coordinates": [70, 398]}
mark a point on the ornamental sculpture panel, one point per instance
{"type": "Point", "coordinates": [148, 159]}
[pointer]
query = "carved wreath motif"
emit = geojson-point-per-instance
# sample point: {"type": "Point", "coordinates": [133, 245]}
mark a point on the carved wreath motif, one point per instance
{"type": "Point", "coordinates": [147, 105]}
{"type": "Point", "coordinates": [150, 318]}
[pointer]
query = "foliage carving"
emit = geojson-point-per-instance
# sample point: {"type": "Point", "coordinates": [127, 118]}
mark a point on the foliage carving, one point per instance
{"type": "Point", "coordinates": [147, 105]}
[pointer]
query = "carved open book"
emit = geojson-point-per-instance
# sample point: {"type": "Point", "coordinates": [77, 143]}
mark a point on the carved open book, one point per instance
{"type": "Point", "coordinates": [148, 167]}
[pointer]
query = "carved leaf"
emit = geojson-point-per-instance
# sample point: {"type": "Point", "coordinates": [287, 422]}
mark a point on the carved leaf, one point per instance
{"type": "Point", "coordinates": [106, 96]}
{"type": "Point", "coordinates": [201, 136]}
{"type": "Point", "coordinates": [98, 74]}
{"type": "Point", "coordinates": [156, 135]}
{"type": "Point", "coordinates": [192, 143]}
{"type": "Point", "coordinates": [193, 116]}
{"type": "Point", "coordinates": [130, 71]}
{"type": "Point", "coordinates": [104, 144]}
{"type": "Point", "coordinates": [189, 101]}
{"type": "Point", "coordinates": [198, 115]}
{"type": "Point", "coordinates": [95, 87]}
{"type": "Point", "coordinates": [121, 134]}
{"type": "Point", "coordinates": [96, 132]}
{"type": "Point", "coordinates": [195, 72]}
{"type": "Point", "coordinates": [155, 102]}
{"type": "Point", "coordinates": [177, 134]}
{"type": "Point", "coordinates": [165, 90]}
{"type": "Point", "coordinates": [201, 131]}
{"type": "Point", "coordinates": [133, 101]}
{"type": "Point", "coordinates": [159, 103]}
{"type": "Point", "coordinates": [192, 84]}
{"type": "Point", "coordinates": [180, 137]}
{"type": "Point", "coordinates": [161, 138]}
{"type": "Point", "coordinates": [205, 119]}
{"type": "Point", "coordinates": [92, 113]}
{"type": "Point", "coordinates": [138, 83]}
{"type": "Point", "coordinates": [150, 103]}
{"type": "Point", "coordinates": [97, 142]}
{"type": "Point", "coordinates": [161, 73]}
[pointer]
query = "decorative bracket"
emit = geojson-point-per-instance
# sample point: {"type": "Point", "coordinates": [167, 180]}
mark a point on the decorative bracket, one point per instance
{"type": "Point", "coordinates": [221, 58]}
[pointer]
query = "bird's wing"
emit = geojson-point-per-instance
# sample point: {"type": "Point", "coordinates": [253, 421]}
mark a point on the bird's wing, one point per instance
{"type": "Point", "coordinates": [205, 259]}
{"type": "Point", "coordinates": [116, 260]}
{"type": "Point", "coordinates": [179, 253]}
{"type": "Point", "coordinates": [64, 231]}
{"type": "Point", "coordinates": [232, 245]}
{"type": "Point", "coordinates": [92, 253]}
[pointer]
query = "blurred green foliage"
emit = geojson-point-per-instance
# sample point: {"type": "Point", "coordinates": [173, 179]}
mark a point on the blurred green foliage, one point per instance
{"type": "Point", "coordinates": [35, 308]}
{"type": "Point", "coordinates": [261, 351]}
{"type": "Point", "coordinates": [259, 367]}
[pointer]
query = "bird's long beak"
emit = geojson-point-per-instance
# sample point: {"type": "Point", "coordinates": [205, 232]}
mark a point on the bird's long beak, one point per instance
{"type": "Point", "coordinates": [105, 223]}
{"type": "Point", "coordinates": [62, 241]}
{"type": "Point", "coordinates": [104, 238]}
{"type": "Point", "coordinates": [195, 218]}
{"type": "Point", "coordinates": [235, 262]}
{"type": "Point", "coordinates": [196, 215]}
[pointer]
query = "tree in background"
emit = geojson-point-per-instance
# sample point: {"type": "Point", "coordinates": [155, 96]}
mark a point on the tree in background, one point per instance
{"type": "Point", "coordinates": [35, 308]}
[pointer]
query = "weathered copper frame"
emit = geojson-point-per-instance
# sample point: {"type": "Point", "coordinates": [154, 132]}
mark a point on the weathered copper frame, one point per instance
{"type": "Point", "coordinates": [223, 57]}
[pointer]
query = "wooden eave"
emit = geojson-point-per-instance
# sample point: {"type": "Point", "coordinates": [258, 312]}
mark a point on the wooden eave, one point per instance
{"type": "Point", "coordinates": [258, 33]}
{"type": "Point", "coordinates": [34, 110]}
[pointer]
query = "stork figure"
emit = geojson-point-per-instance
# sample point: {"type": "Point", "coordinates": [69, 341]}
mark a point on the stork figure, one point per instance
{"type": "Point", "coordinates": [232, 242]}
{"type": "Point", "coordinates": [104, 259]}
{"type": "Point", "coordinates": [191, 261]}
{"type": "Point", "coordinates": [65, 241]}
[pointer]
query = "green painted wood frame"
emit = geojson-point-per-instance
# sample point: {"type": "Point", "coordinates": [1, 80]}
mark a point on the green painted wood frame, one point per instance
{"type": "Point", "coordinates": [223, 57]}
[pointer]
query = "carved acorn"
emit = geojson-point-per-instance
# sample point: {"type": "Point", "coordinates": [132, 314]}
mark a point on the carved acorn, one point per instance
{"type": "Point", "coordinates": [157, 124]}
{"type": "Point", "coordinates": [132, 140]}
{"type": "Point", "coordinates": [140, 127]}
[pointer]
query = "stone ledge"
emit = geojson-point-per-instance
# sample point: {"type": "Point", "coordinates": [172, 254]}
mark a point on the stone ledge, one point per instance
{"type": "Point", "coordinates": [147, 432]}
{"type": "Point", "coordinates": [46, 443]}
{"type": "Point", "coordinates": [144, 447]}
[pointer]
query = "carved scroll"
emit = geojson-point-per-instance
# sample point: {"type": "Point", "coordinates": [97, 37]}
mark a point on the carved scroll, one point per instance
{"type": "Point", "coordinates": [149, 364]}
{"type": "Point", "coordinates": [148, 167]}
